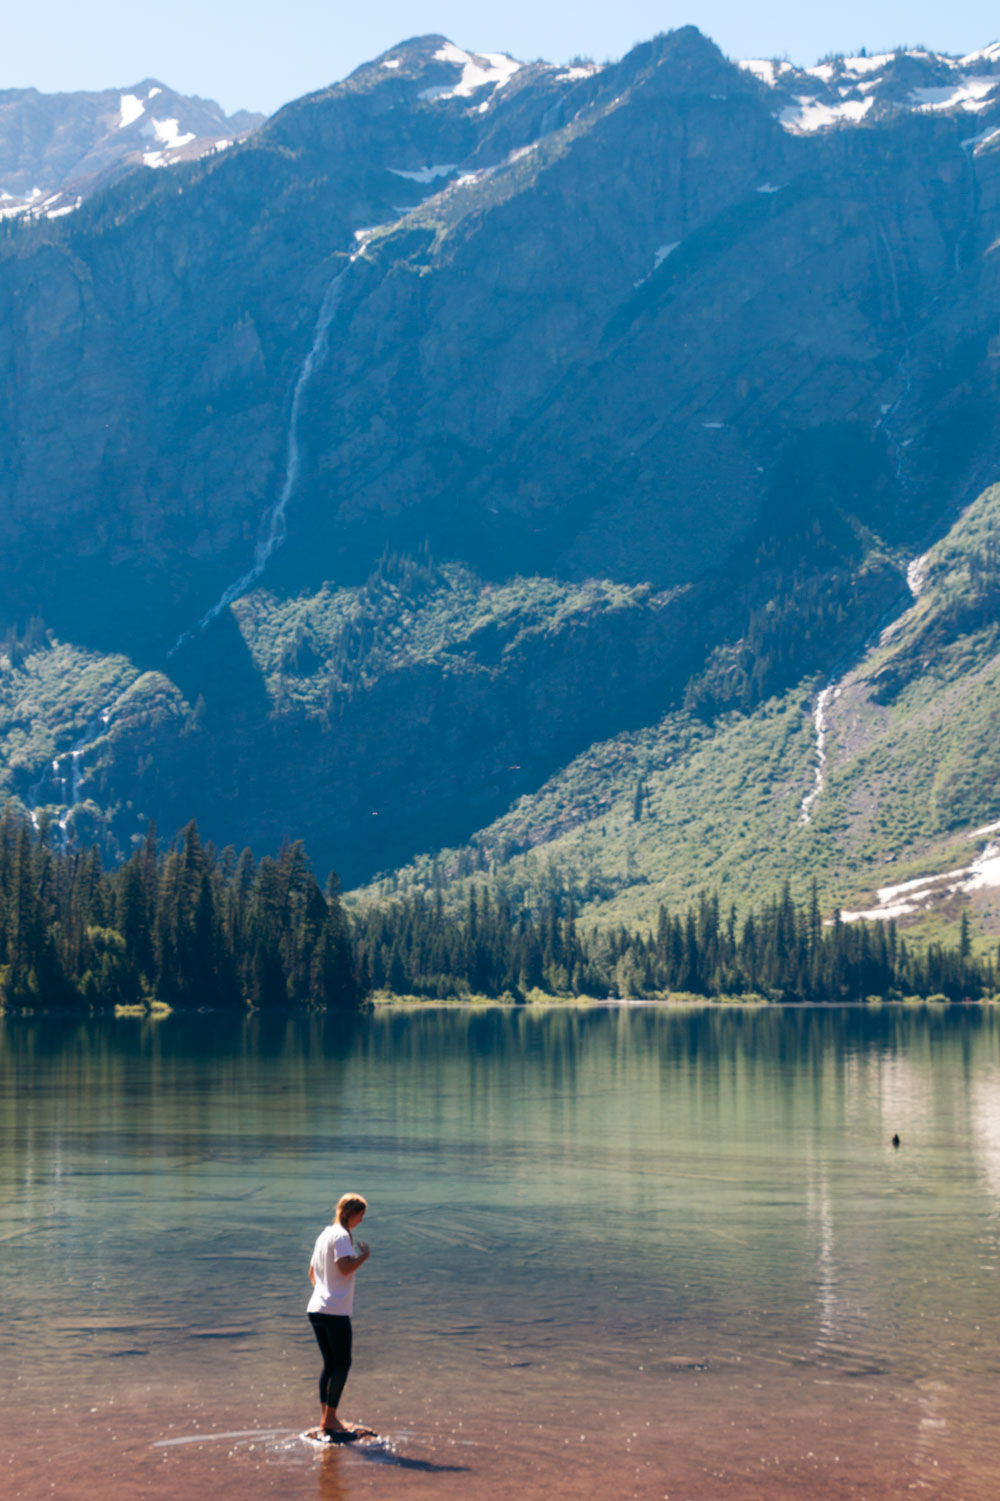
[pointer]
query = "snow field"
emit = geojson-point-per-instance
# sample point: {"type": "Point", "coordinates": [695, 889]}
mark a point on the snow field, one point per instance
{"type": "Point", "coordinates": [499, 69]}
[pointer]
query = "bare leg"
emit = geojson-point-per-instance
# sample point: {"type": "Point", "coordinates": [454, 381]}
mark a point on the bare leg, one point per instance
{"type": "Point", "coordinates": [331, 1423]}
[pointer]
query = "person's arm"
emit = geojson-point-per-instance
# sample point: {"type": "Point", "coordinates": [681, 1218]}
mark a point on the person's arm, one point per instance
{"type": "Point", "coordinates": [312, 1274]}
{"type": "Point", "coordinates": [348, 1265]}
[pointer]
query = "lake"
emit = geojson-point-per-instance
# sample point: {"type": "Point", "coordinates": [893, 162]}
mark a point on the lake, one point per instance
{"type": "Point", "coordinates": [618, 1251]}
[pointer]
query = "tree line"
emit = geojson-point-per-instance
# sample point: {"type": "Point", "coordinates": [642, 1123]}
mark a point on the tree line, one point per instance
{"type": "Point", "coordinates": [191, 926]}
{"type": "Point", "coordinates": [782, 950]}
{"type": "Point", "coordinates": [185, 925]}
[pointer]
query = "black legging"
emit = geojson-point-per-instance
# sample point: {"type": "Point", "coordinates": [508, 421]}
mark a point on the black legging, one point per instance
{"type": "Point", "coordinates": [333, 1335]}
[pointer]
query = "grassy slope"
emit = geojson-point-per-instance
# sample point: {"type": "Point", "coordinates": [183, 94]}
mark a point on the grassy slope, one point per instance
{"type": "Point", "coordinates": [915, 733]}
{"type": "Point", "coordinates": [720, 809]}
{"type": "Point", "coordinates": [913, 767]}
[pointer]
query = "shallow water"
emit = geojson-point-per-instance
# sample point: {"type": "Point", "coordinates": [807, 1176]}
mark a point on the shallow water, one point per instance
{"type": "Point", "coordinates": [632, 1251]}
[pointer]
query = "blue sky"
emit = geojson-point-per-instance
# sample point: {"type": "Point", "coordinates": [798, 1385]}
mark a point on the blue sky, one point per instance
{"type": "Point", "coordinates": [259, 55]}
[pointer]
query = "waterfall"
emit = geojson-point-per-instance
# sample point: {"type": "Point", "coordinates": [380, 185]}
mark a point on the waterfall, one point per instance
{"type": "Point", "coordinates": [272, 527]}
{"type": "Point", "coordinates": [69, 795]}
{"type": "Point", "coordinates": [822, 725]}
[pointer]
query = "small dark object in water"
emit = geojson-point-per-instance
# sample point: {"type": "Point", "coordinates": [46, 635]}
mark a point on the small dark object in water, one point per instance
{"type": "Point", "coordinates": [895, 1140]}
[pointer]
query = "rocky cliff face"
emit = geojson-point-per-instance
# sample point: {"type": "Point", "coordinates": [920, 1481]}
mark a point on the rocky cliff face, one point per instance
{"type": "Point", "coordinates": [571, 333]}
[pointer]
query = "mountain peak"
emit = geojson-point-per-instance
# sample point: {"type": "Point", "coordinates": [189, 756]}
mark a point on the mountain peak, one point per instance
{"type": "Point", "coordinates": [447, 71]}
{"type": "Point", "coordinates": [683, 58]}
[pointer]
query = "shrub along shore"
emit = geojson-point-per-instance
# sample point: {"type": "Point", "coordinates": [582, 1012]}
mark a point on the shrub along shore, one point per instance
{"type": "Point", "coordinates": [187, 926]}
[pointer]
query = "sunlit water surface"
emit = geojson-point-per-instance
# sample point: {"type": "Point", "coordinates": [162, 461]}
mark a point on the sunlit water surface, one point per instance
{"type": "Point", "coordinates": [615, 1252]}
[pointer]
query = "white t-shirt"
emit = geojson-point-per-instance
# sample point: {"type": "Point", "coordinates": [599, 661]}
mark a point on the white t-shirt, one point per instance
{"type": "Point", "coordinates": [333, 1292]}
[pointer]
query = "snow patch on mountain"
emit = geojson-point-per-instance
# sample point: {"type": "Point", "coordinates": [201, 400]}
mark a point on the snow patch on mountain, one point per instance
{"type": "Point", "coordinates": [478, 70]}
{"type": "Point", "coordinates": [982, 140]}
{"type": "Point", "coordinates": [763, 68]}
{"type": "Point", "coordinates": [969, 94]}
{"type": "Point", "coordinates": [53, 206]}
{"type": "Point", "coordinates": [813, 114]}
{"type": "Point", "coordinates": [910, 897]}
{"type": "Point", "coordinates": [169, 132]}
{"type": "Point", "coordinates": [990, 54]}
{"type": "Point", "coordinates": [659, 256]}
{"type": "Point", "coordinates": [569, 75]}
{"type": "Point", "coordinates": [426, 174]}
{"type": "Point", "coordinates": [131, 108]}
{"type": "Point", "coordinates": [867, 64]}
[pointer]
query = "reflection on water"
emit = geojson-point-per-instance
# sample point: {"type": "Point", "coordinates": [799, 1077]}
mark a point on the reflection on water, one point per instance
{"type": "Point", "coordinates": [664, 1251]}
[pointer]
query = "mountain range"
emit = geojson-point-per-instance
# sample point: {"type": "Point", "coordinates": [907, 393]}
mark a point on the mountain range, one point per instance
{"type": "Point", "coordinates": [487, 467]}
{"type": "Point", "coordinates": [57, 149]}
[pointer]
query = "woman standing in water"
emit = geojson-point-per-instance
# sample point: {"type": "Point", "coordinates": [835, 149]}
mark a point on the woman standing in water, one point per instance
{"type": "Point", "coordinates": [335, 1260]}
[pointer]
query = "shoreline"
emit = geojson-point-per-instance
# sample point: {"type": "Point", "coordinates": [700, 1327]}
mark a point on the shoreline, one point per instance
{"type": "Point", "coordinates": [384, 1001]}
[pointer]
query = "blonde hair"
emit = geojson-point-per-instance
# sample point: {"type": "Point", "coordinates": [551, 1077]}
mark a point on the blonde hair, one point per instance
{"type": "Point", "coordinates": [347, 1205]}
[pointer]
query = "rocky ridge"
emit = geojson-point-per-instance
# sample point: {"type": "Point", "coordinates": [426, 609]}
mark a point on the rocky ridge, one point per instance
{"type": "Point", "coordinates": [848, 90]}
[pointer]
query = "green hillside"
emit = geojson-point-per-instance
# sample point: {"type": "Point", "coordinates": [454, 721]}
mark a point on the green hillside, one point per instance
{"type": "Point", "coordinates": [685, 805]}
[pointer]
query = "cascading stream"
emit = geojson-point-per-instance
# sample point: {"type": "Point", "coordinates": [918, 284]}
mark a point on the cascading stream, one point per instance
{"type": "Point", "coordinates": [273, 528]}
{"type": "Point", "coordinates": [821, 724]}
{"type": "Point", "coordinates": [916, 578]}
{"type": "Point", "coordinates": [70, 794]}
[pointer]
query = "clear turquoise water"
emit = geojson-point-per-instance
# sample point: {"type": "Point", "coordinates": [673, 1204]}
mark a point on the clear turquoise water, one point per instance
{"type": "Point", "coordinates": [662, 1252]}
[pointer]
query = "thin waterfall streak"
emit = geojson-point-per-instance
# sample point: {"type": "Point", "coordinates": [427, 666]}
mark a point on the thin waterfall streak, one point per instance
{"type": "Point", "coordinates": [273, 528]}
{"type": "Point", "coordinates": [822, 727]}
{"type": "Point", "coordinates": [72, 786]}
